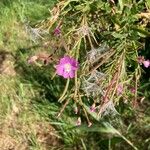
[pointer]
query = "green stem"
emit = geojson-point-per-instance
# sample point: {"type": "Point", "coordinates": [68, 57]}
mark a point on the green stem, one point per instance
{"type": "Point", "coordinates": [65, 91]}
{"type": "Point", "coordinates": [131, 144]}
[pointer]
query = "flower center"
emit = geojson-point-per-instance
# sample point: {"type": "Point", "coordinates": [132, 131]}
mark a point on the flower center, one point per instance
{"type": "Point", "coordinates": [67, 67]}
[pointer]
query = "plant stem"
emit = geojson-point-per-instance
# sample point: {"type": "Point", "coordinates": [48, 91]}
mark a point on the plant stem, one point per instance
{"type": "Point", "coordinates": [64, 92]}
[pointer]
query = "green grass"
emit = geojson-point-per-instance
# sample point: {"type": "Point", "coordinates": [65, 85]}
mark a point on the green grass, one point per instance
{"type": "Point", "coordinates": [28, 101]}
{"type": "Point", "coordinates": [19, 118]}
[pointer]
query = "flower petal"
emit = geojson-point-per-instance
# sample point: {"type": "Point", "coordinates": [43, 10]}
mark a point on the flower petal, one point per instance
{"type": "Point", "coordinates": [66, 75]}
{"type": "Point", "coordinates": [74, 63]}
{"type": "Point", "coordinates": [72, 74]}
{"type": "Point", "coordinates": [74, 68]}
{"type": "Point", "coordinates": [146, 63]}
{"type": "Point", "coordinates": [60, 70]}
{"type": "Point", "coordinates": [65, 60]}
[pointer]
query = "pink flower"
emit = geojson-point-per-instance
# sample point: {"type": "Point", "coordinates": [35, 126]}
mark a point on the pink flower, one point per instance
{"type": "Point", "coordinates": [57, 31]}
{"type": "Point", "coordinates": [93, 108]}
{"type": "Point", "coordinates": [146, 63]}
{"type": "Point", "coordinates": [67, 67]}
{"type": "Point", "coordinates": [140, 59]}
{"type": "Point", "coordinates": [119, 89]}
{"type": "Point", "coordinates": [133, 90]}
{"type": "Point", "coordinates": [78, 123]}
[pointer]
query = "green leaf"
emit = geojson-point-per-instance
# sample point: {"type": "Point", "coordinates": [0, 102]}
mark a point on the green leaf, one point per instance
{"type": "Point", "coordinates": [121, 4]}
{"type": "Point", "coordinates": [104, 127]}
{"type": "Point", "coordinates": [119, 36]}
{"type": "Point", "coordinates": [148, 3]}
{"type": "Point", "coordinates": [141, 31]}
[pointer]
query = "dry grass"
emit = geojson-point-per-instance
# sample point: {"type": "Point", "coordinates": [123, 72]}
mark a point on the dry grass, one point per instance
{"type": "Point", "coordinates": [21, 126]}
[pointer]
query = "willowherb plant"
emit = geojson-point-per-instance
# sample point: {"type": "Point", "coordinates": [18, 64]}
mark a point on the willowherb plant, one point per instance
{"type": "Point", "coordinates": [101, 40]}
